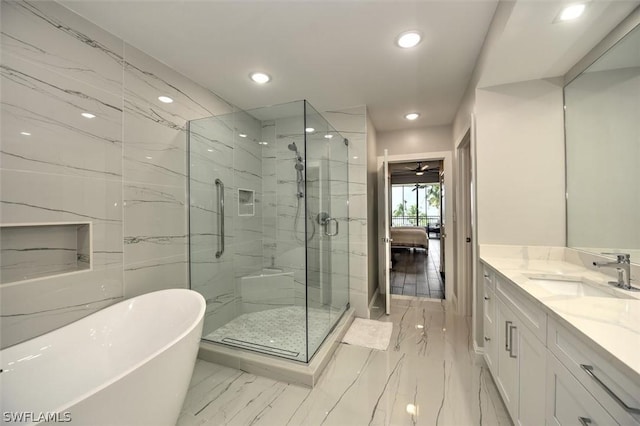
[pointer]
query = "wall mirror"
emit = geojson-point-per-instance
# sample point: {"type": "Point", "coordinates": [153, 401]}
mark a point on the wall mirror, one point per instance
{"type": "Point", "coordinates": [602, 136]}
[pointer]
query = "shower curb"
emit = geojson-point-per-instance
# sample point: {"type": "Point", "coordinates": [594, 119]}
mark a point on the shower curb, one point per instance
{"type": "Point", "coordinates": [306, 374]}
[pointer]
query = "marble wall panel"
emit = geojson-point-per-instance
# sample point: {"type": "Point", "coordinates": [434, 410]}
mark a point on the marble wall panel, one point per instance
{"type": "Point", "coordinates": [155, 225]}
{"type": "Point", "coordinates": [48, 106]}
{"type": "Point", "coordinates": [57, 39]}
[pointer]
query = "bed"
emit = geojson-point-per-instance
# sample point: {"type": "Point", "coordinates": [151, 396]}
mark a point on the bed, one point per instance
{"type": "Point", "coordinates": [409, 236]}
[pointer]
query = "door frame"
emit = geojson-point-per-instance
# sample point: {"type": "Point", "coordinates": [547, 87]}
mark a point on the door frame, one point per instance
{"type": "Point", "coordinates": [449, 205]}
{"type": "Point", "coordinates": [465, 225]}
{"type": "Point", "coordinates": [471, 292]}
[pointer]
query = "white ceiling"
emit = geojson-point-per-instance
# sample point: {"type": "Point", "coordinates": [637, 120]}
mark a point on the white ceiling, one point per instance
{"type": "Point", "coordinates": [338, 54]}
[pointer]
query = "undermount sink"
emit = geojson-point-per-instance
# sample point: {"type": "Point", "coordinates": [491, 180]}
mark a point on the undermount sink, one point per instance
{"type": "Point", "coordinates": [567, 285]}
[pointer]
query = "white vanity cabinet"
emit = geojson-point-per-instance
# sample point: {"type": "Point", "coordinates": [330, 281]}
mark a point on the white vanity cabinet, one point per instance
{"type": "Point", "coordinates": [515, 351]}
{"type": "Point", "coordinates": [547, 372]}
{"type": "Point", "coordinates": [568, 402]}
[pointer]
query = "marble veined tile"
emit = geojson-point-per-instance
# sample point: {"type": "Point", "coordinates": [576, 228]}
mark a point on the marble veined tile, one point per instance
{"type": "Point", "coordinates": [31, 308]}
{"type": "Point", "coordinates": [155, 221]}
{"type": "Point", "coordinates": [48, 34]}
{"type": "Point", "coordinates": [37, 197]}
{"type": "Point", "coordinates": [43, 129]}
{"type": "Point", "coordinates": [156, 274]}
{"type": "Point", "coordinates": [155, 132]}
{"type": "Point", "coordinates": [428, 376]}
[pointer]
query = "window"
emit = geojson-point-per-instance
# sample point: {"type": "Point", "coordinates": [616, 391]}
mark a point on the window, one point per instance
{"type": "Point", "coordinates": [415, 204]}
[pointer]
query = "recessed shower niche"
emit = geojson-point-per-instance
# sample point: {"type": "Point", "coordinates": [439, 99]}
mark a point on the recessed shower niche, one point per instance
{"type": "Point", "coordinates": [32, 251]}
{"type": "Point", "coordinates": [246, 206]}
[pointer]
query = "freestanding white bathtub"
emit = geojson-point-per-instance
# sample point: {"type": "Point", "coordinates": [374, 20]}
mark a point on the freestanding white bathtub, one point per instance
{"type": "Point", "coordinates": [128, 364]}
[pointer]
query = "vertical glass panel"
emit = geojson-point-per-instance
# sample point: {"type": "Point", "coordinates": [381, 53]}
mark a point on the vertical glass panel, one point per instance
{"type": "Point", "coordinates": [210, 157]}
{"type": "Point", "coordinates": [327, 228]}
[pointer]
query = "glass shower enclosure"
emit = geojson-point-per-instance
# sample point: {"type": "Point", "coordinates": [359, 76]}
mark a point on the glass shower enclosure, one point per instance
{"type": "Point", "coordinates": [269, 227]}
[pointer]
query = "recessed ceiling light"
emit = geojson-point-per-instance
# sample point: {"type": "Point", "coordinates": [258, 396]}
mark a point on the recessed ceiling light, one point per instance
{"type": "Point", "coordinates": [165, 99]}
{"type": "Point", "coordinates": [412, 116]}
{"type": "Point", "coordinates": [25, 133]}
{"type": "Point", "coordinates": [355, 157]}
{"type": "Point", "coordinates": [263, 143]}
{"type": "Point", "coordinates": [210, 150]}
{"type": "Point", "coordinates": [309, 130]}
{"type": "Point", "coordinates": [409, 39]}
{"type": "Point", "coordinates": [88, 115]}
{"type": "Point", "coordinates": [260, 77]}
{"type": "Point", "coordinates": [572, 11]}
{"type": "Point", "coordinates": [149, 157]}
{"type": "Point", "coordinates": [242, 135]}
{"type": "Point", "coordinates": [328, 136]}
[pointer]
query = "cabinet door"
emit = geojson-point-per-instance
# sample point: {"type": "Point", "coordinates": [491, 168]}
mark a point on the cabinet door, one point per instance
{"type": "Point", "coordinates": [507, 375]}
{"type": "Point", "coordinates": [568, 402]}
{"type": "Point", "coordinates": [531, 355]}
{"type": "Point", "coordinates": [490, 335]}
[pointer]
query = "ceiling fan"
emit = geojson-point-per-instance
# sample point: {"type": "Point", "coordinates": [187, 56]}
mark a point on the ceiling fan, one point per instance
{"type": "Point", "coordinates": [419, 167]}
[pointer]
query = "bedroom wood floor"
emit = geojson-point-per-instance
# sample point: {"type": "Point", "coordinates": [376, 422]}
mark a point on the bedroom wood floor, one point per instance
{"type": "Point", "coordinates": [415, 273]}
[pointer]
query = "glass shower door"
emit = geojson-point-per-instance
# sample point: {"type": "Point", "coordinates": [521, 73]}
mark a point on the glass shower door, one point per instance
{"type": "Point", "coordinates": [327, 241]}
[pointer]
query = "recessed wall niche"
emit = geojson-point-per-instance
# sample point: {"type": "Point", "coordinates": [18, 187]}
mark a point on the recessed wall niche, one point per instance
{"type": "Point", "coordinates": [31, 251]}
{"type": "Point", "coordinates": [246, 202]}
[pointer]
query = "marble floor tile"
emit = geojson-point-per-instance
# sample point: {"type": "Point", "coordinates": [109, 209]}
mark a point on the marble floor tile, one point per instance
{"type": "Point", "coordinates": [429, 375]}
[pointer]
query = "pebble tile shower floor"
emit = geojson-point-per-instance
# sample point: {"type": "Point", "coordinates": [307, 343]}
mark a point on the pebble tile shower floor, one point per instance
{"type": "Point", "coordinates": [279, 331]}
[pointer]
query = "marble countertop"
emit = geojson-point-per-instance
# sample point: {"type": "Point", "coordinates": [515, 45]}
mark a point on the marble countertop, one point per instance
{"type": "Point", "coordinates": [611, 324]}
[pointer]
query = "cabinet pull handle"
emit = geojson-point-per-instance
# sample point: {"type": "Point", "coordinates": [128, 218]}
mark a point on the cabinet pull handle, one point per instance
{"type": "Point", "coordinates": [589, 370]}
{"type": "Point", "coordinates": [486, 275]}
{"type": "Point", "coordinates": [512, 327]}
{"type": "Point", "coordinates": [486, 339]}
{"type": "Point", "coordinates": [584, 421]}
{"type": "Point", "coordinates": [507, 335]}
{"type": "Point", "coordinates": [487, 298]}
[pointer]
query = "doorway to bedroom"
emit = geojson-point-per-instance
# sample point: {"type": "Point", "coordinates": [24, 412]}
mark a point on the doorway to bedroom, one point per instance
{"type": "Point", "coordinates": [416, 211]}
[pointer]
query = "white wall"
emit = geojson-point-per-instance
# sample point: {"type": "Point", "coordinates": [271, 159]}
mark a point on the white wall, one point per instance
{"type": "Point", "coordinates": [520, 164]}
{"type": "Point", "coordinates": [426, 139]}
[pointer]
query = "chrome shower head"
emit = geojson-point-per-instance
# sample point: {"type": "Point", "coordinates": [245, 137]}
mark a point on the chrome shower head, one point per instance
{"type": "Point", "coordinates": [292, 147]}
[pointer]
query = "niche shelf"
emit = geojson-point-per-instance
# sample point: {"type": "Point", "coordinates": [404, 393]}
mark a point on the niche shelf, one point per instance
{"type": "Point", "coordinates": [39, 250]}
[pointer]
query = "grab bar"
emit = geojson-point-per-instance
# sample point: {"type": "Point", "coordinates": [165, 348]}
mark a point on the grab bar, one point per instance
{"type": "Point", "coordinates": [220, 188]}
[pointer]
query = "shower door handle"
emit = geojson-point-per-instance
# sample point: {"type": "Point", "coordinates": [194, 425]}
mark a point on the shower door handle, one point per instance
{"type": "Point", "coordinates": [325, 220]}
{"type": "Point", "coordinates": [327, 227]}
{"type": "Point", "coordinates": [220, 188]}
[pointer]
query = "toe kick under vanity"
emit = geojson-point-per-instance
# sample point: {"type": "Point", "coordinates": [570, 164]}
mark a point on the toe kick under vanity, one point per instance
{"type": "Point", "coordinates": [562, 345]}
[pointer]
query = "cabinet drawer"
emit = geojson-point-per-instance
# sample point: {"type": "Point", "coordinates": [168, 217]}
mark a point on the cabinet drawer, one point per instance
{"type": "Point", "coordinates": [575, 353]}
{"type": "Point", "coordinates": [488, 277]}
{"type": "Point", "coordinates": [568, 402]}
{"type": "Point", "coordinates": [490, 338]}
{"type": "Point", "coordinates": [531, 315]}
{"type": "Point", "coordinates": [489, 305]}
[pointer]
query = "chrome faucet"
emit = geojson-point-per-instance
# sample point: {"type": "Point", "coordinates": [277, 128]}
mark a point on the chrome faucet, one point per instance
{"type": "Point", "coordinates": [623, 266]}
